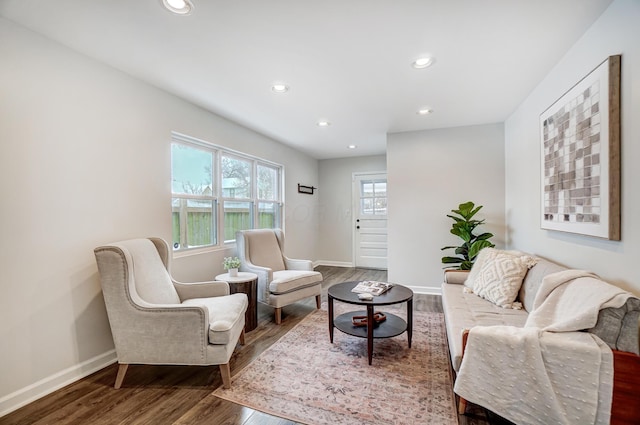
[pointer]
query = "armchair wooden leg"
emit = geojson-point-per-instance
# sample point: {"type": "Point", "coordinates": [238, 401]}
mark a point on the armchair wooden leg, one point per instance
{"type": "Point", "coordinates": [462, 406]}
{"type": "Point", "coordinates": [242, 337]}
{"type": "Point", "coordinates": [225, 371]}
{"type": "Point", "coordinates": [122, 370]}
{"type": "Point", "coordinates": [278, 315]}
{"type": "Point", "coordinates": [318, 301]}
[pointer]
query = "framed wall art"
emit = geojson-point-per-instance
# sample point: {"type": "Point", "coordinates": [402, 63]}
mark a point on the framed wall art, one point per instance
{"type": "Point", "coordinates": [580, 165]}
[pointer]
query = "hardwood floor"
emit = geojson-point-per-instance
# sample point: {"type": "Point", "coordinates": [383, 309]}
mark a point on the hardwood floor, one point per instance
{"type": "Point", "coordinates": [182, 394]}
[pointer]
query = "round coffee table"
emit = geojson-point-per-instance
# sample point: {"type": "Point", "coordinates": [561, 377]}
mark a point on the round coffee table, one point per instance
{"type": "Point", "coordinates": [393, 326]}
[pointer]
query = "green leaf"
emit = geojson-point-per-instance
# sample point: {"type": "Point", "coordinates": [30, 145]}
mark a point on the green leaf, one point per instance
{"type": "Point", "coordinates": [457, 219]}
{"type": "Point", "coordinates": [477, 246]}
{"type": "Point", "coordinates": [462, 250]}
{"type": "Point", "coordinates": [448, 247]}
{"type": "Point", "coordinates": [473, 212]}
{"type": "Point", "coordinates": [452, 260]}
{"type": "Point", "coordinates": [484, 236]}
{"type": "Point", "coordinates": [462, 230]}
{"type": "Point", "coordinates": [465, 209]}
{"type": "Point", "coordinates": [466, 265]}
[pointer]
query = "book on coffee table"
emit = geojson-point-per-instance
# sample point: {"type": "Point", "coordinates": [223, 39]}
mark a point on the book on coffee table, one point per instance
{"type": "Point", "coordinates": [372, 287]}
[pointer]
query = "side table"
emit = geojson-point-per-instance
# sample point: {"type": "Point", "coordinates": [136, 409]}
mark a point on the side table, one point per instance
{"type": "Point", "coordinates": [246, 283]}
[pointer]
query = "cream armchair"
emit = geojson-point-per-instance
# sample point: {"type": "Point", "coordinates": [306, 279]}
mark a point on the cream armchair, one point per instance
{"type": "Point", "coordinates": [281, 280]}
{"type": "Point", "coordinates": [156, 320]}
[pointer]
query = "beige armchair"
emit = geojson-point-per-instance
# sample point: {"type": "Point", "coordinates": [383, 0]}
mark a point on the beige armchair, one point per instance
{"type": "Point", "coordinates": [156, 320]}
{"type": "Point", "coordinates": [281, 280]}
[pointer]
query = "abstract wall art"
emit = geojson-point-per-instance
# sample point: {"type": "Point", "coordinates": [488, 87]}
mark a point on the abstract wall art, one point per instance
{"type": "Point", "coordinates": [580, 165]}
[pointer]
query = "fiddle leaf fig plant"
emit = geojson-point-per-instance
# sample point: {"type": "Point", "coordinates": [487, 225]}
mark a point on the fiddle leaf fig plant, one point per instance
{"type": "Point", "coordinates": [463, 226]}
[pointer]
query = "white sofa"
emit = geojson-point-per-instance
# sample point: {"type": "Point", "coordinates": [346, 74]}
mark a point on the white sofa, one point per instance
{"type": "Point", "coordinates": [617, 327]}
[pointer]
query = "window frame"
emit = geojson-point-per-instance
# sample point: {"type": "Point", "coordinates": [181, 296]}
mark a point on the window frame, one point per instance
{"type": "Point", "coordinates": [373, 197]}
{"type": "Point", "coordinates": [217, 190]}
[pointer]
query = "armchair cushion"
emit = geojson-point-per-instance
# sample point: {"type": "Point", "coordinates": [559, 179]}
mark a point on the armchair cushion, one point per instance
{"type": "Point", "coordinates": [291, 280]}
{"type": "Point", "coordinates": [224, 312]}
{"type": "Point", "coordinates": [151, 280]}
{"type": "Point", "coordinates": [264, 250]}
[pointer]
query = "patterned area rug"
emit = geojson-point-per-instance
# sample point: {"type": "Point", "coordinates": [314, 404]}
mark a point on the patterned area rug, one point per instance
{"type": "Point", "coordinates": [304, 378]}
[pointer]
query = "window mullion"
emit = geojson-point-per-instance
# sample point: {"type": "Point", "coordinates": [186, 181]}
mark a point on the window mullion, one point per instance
{"type": "Point", "coordinates": [220, 204]}
{"type": "Point", "coordinates": [254, 194]}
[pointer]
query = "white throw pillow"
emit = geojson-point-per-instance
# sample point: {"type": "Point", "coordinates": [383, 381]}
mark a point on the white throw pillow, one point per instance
{"type": "Point", "coordinates": [497, 275]}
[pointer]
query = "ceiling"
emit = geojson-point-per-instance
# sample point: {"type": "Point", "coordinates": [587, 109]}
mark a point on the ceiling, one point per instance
{"type": "Point", "coordinates": [345, 61]}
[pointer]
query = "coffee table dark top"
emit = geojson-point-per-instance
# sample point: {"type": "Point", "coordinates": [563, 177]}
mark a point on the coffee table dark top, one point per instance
{"type": "Point", "coordinates": [342, 292]}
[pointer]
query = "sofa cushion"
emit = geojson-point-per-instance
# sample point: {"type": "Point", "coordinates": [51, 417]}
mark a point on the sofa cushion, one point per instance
{"type": "Point", "coordinates": [464, 311]}
{"type": "Point", "coordinates": [291, 280]}
{"type": "Point", "coordinates": [497, 275]}
{"type": "Point", "coordinates": [224, 313]}
{"type": "Point", "coordinates": [533, 279]}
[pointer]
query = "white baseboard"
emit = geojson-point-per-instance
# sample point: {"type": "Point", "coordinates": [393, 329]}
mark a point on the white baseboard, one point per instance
{"type": "Point", "coordinates": [332, 263]}
{"type": "Point", "coordinates": [45, 386]}
{"type": "Point", "coordinates": [426, 290]}
{"type": "Point", "coordinates": [416, 289]}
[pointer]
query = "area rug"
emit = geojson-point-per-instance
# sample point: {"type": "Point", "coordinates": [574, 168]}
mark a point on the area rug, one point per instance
{"type": "Point", "coordinates": [304, 378]}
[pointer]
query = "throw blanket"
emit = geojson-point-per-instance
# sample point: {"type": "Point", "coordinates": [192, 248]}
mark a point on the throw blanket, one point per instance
{"type": "Point", "coordinates": [546, 372]}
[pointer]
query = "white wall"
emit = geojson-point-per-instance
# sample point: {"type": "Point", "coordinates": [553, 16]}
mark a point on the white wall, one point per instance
{"type": "Point", "coordinates": [335, 193]}
{"type": "Point", "coordinates": [429, 174]}
{"type": "Point", "coordinates": [617, 31]}
{"type": "Point", "coordinates": [85, 160]}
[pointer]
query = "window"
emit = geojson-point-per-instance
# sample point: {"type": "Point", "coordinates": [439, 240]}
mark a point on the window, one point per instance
{"type": "Point", "coordinates": [193, 204]}
{"type": "Point", "coordinates": [211, 182]}
{"type": "Point", "coordinates": [236, 193]}
{"type": "Point", "coordinates": [268, 197]}
{"type": "Point", "coordinates": [373, 197]}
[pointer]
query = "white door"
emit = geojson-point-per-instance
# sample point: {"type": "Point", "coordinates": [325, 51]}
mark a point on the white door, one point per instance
{"type": "Point", "coordinates": [370, 220]}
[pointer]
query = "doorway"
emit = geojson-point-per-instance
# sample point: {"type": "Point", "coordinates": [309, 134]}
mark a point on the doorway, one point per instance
{"type": "Point", "coordinates": [370, 220]}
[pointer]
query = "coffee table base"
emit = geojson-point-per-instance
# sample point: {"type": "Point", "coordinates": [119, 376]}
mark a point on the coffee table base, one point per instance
{"type": "Point", "coordinates": [393, 326]}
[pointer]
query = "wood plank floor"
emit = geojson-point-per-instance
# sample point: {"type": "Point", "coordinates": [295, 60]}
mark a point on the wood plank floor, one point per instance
{"type": "Point", "coordinates": [182, 394]}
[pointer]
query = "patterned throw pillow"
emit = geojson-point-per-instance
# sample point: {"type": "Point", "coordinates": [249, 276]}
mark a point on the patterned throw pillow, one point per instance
{"type": "Point", "coordinates": [497, 275]}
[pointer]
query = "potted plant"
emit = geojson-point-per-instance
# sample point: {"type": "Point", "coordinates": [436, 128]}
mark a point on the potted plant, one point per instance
{"type": "Point", "coordinates": [231, 264]}
{"type": "Point", "coordinates": [463, 227]}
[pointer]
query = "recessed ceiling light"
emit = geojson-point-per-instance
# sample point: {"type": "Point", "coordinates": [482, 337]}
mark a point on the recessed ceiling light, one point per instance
{"type": "Point", "coordinates": [424, 111]}
{"type": "Point", "coordinates": [179, 7]}
{"type": "Point", "coordinates": [323, 123]}
{"type": "Point", "coordinates": [352, 146]}
{"type": "Point", "coordinates": [423, 62]}
{"type": "Point", "coordinates": [280, 88]}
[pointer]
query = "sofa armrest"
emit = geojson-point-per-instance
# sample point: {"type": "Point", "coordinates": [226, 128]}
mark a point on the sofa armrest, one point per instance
{"type": "Point", "coordinates": [187, 291]}
{"type": "Point", "coordinates": [456, 277]}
